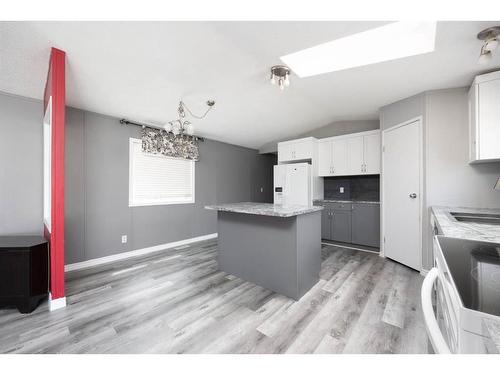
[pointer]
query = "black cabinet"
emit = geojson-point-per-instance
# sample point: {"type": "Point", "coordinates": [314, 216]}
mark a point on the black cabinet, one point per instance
{"type": "Point", "coordinates": [24, 276]}
{"type": "Point", "coordinates": [365, 221]}
{"type": "Point", "coordinates": [356, 223]}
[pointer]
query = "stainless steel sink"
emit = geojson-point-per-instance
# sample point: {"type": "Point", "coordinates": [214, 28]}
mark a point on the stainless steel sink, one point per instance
{"type": "Point", "coordinates": [481, 218]}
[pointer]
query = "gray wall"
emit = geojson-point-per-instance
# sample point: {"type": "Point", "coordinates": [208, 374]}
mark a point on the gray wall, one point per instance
{"type": "Point", "coordinates": [97, 169]}
{"type": "Point", "coordinates": [21, 174]}
{"type": "Point", "coordinates": [449, 180]}
{"type": "Point", "coordinates": [331, 130]}
{"type": "Point", "coordinates": [97, 211]}
{"type": "Point", "coordinates": [402, 110]}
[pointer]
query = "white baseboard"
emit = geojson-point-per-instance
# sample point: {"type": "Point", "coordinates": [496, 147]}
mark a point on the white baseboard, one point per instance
{"type": "Point", "coordinates": [57, 303]}
{"type": "Point", "coordinates": [135, 253]}
{"type": "Point", "coordinates": [350, 247]}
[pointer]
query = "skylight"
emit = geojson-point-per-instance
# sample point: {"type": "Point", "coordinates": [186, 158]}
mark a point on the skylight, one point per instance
{"type": "Point", "coordinates": [389, 42]}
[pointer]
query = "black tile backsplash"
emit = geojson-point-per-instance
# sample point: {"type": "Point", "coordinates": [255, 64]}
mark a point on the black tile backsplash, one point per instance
{"type": "Point", "coordinates": [355, 188]}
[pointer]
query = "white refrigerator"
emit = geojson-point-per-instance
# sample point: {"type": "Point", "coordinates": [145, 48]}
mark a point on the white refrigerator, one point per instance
{"type": "Point", "coordinates": [293, 184]}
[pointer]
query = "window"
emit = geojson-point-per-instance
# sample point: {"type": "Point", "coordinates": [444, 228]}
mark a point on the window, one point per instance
{"type": "Point", "coordinates": [158, 179]}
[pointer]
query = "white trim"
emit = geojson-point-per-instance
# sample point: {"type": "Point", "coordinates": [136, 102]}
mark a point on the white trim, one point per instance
{"type": "Point", "coordinates": [47, 165]}
{"type": "Point", "coordinates": [135, 253]}
{"type": "Point", "coordinates": [420, 120]}
{"type": "Point", "coordinates": [349, 247]}
{"type": "Point", "coordinates": [424, 272]}
{"type": "Point", "coordinates": [55, 304]}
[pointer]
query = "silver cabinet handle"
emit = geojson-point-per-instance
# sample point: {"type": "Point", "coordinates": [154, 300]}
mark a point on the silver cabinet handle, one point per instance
{"type": "Point", "coordinates": [413, 195]}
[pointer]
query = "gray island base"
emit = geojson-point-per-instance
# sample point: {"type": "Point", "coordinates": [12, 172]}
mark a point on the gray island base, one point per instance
{"type": "Point", "coordinates": [278, 248]}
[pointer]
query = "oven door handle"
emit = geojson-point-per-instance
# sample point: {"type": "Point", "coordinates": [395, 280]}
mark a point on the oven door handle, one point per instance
{"type": "Point", "coordinates": [435, 336]}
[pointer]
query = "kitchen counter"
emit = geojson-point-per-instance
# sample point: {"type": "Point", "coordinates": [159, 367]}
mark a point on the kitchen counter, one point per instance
{"type": "Point", "coordinates": [344, 201]}
{"type": "Point", "coordinates": [264, 209]}
{"type": "Point", "coordinates": [449, 227]}
{"type": "Point", "coordinates": [491, 329]}
{"type": "Point", "coordinates": [278, 248]}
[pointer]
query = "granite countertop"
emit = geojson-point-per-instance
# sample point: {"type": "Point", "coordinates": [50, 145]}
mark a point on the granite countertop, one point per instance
{"type": "Point", "coordinates": [492, 329]}
{"type": "Point", "coordinates": [450, 227]}
{"type": "Point", "coordinates": [264, 209]}
{"type": "Point", "coordinates": [344, 201]}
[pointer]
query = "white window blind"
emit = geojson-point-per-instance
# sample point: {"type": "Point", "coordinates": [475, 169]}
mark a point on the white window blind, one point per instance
{"type": "Point", "coordinates": [158, 179]}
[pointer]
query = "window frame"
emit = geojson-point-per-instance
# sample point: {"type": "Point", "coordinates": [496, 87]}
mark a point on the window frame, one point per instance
{"type": "Point", "coordinates": [131, 202]}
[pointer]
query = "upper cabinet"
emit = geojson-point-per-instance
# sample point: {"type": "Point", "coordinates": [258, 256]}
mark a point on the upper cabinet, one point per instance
{"type": "Point", "coordinates": [484, 118]}
{"type": "Point", "coordinates": [353, 154]}
{"type": "Point", "coordinates": [333, 157]}
{"type": "Point", "coordinates": [371, 153]}
{"type": "Point", "coordinates": [298, 149]}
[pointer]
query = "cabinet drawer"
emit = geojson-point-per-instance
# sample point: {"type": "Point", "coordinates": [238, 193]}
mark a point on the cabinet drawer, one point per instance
{"type": "Point", "coordinates": [341, 206]}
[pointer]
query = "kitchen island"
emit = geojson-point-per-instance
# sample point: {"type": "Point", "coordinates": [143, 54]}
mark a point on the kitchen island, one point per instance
{"type": "Point", "coordinates": [276, 247]}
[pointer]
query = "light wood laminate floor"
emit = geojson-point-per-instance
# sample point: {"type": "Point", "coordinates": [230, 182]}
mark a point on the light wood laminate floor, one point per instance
{"type": "Point", "coordinates": [176, 301]}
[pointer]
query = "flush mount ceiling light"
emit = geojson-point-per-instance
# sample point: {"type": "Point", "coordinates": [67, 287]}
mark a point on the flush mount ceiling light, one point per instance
{"type": "Point", "coordinates": [280, 75]}
{"type": "Point", "coordinates": [389, 42]}
{"type": "Point", "coordinates": [490, 37]}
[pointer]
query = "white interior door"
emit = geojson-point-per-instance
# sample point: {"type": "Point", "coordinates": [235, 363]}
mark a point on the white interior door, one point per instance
{"type": "Point", "coordinates": [401, 194]}
{"type": "Point", "coordinates": [371, 152]}
{"type": "Point", "coordinates": [355, 149]}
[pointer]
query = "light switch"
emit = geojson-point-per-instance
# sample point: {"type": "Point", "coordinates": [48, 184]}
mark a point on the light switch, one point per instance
{"type": "Point", "coordinates": [342, 190]}
{"type": "Point", "coordinates": [261, 189]}
{"type": "Point", "coordinates": [124, 238]}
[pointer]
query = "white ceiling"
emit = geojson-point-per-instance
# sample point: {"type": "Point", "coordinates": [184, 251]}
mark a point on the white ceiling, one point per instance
{"type": "Point", "coordinates": [140, 70]}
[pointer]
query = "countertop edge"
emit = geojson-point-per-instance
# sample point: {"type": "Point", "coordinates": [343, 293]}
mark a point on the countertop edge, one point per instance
{"type": "Point", "coordinates": [264, 211]}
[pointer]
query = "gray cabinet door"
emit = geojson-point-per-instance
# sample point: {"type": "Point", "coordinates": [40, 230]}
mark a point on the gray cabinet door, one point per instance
{"type": "Point", "coordinates": [341, 225]}
{"type": "Point", "coordinates": [366, 224]}
{"type": "Point", "coordinates": [326, 222]}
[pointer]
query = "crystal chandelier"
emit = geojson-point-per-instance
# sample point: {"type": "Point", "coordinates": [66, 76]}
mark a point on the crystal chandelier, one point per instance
{"type": "Point", "coordinates": [280, 75]}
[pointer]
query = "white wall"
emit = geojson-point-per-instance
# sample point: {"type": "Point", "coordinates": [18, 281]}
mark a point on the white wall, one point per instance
{"type": "Point", "coordinates": [449, 180]}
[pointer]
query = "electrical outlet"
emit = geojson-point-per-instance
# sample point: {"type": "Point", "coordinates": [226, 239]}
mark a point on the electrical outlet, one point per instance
{"type": "Point", "coordinates": [342, 190]}
{"type": "Point", "coordinates": [261, 189]}
{"type": "Point", "coordinates": [124, 238]}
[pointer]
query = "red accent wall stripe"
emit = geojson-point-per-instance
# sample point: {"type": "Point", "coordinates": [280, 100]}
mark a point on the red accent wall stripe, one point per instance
{"type": "Point", "coordinates": [56, 88]}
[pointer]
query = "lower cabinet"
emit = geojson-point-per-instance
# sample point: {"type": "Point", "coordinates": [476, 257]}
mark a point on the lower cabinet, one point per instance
{"type": "Point", "coordinates": [341, 225]}
{"type": "Point", "coordinates": [366, 224]}
{"type": "Point", "coordinates": [336, 222]}
{"type": "Point", "coordinates": [356, 223]}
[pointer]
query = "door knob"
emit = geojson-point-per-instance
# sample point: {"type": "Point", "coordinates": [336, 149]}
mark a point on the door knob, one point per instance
{"type": "Point", "coordinates": [413, 195]}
